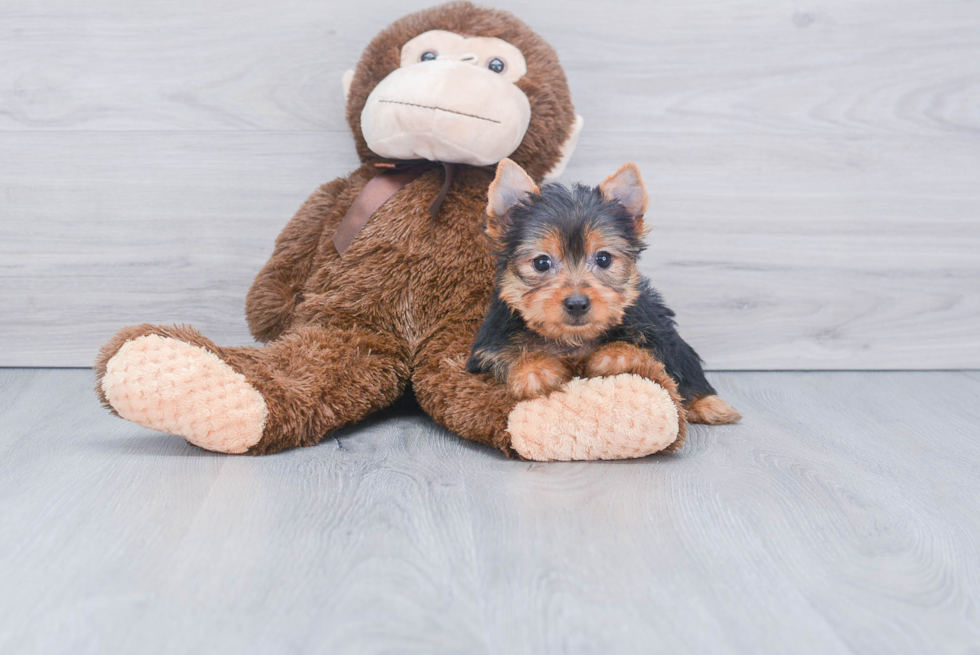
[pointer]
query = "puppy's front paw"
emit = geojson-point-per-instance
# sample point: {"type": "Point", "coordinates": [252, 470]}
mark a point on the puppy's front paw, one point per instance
{"type": "Point", "coordinates": [534, 376]}
{"type": "Point", "coordinates": [618, 357]}
{"type": "Point", "coordinates": [615, 359]}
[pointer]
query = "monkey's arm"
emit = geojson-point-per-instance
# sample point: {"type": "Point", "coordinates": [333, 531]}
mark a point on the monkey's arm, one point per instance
{"type": "Point", "coordinates": [277, 289]}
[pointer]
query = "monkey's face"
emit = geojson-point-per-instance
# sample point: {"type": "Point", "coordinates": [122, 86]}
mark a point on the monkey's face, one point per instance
{"type": "Point", "coordinates": [453, 99]}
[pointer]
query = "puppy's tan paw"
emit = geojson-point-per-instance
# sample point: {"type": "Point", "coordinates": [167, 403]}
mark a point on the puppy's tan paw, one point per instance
{"type": "Point", "coordinates": [617, 358]}
{"type": "Point", "coordinates": [535, 376]}
{"type": "Point", "coordinates": [712, 410]}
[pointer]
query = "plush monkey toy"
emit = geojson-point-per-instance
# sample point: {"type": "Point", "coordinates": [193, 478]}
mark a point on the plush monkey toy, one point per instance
{"type": "Point", "coordinates": [382, 278]}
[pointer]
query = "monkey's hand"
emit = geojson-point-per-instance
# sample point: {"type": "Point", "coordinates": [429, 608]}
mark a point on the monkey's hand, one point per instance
{"type": "Point", "coordinates": [616, 417]}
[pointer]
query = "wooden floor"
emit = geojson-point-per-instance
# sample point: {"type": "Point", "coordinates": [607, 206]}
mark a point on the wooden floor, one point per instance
{"type": "Point", "coordinates": [839, 517]}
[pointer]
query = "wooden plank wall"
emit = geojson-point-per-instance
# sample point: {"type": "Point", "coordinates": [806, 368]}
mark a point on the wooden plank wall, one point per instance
{"type": "Point", "coordinates": [815, 165]}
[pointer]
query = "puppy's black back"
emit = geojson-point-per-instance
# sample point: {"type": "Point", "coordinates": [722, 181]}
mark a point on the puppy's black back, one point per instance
{"type": "Point", "coordinates": [650, 324]}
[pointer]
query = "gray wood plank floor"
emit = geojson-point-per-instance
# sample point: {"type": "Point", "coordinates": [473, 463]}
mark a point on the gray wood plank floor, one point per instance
{"type": "Point", "coordinates": [839, 517]}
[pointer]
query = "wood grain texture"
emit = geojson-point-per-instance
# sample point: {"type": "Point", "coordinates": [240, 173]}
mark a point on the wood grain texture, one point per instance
{"type": "Point", "coordinates": [813, 165]}
{"type": "Point", "coordinates": [715, 66]}
{"type": "Point", "coordinates": [838, 517]}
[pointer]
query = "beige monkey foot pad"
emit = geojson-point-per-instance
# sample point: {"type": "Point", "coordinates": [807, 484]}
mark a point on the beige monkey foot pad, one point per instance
{"type": "Point", "coordinates": [168, 385]}
{"type": "Point", "coordinates": [617, 417]}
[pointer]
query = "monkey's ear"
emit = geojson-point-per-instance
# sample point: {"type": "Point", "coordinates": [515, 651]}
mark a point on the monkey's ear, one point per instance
{"type": "Point", "coordinates": [625, 186]}
{"type": "Point", "coordinates": [346, 79]}
{"type": "Point", "coordinates": [567, 149]}
{"type": "Point", "coordinates": [511, 185]}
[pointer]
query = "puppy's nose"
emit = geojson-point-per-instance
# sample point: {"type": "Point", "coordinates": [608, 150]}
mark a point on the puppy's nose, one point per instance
{"type": "Point", "coordinates": [576, 305]}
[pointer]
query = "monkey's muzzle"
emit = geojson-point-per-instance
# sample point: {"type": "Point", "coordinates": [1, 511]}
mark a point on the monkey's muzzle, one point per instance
{"type": "Point", "coordinates": [445, 111]}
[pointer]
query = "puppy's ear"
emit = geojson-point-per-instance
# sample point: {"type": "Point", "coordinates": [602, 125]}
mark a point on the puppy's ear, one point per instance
{"type": "Point", "coordinates": [625, 186]}
{"type": "Point", "coordinates": [510, 187]}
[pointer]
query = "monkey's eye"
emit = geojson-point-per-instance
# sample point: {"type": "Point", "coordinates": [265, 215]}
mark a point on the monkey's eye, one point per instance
{"type": "Point", "coordinates": [603, 259]}
{"type": "Point", "coordinates": [541, 263]}
{"type": "Point", "coordinates": [497, 65]}
{"type": "Point", "coordinates": [427, 56]}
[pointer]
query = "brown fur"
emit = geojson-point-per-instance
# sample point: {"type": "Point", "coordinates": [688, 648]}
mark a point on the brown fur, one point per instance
{"type": "Point", "coordinates": [404, 304]}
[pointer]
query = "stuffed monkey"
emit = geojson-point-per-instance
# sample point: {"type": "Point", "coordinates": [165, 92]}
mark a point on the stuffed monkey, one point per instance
{"type": "Point", "coordinates": [382, 278]}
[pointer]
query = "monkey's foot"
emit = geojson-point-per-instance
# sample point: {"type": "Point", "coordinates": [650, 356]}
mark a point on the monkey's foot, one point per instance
{"type": "Point", "coordinates": [712, 410]}
{"type": "Point", "coordinates": [166, 384]}
{"type": "Point", "coordinates": [617, 417]}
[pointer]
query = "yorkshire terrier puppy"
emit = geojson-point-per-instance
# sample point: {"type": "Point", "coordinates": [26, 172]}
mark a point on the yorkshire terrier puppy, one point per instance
{"type": "Point", "coordinates": [569, 300]}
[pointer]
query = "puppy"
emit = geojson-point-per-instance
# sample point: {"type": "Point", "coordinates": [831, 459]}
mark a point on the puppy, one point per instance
{"type": "Point", "coordinates": [569, 300]}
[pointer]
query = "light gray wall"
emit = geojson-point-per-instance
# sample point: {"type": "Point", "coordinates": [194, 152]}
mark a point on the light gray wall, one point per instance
{"type": "Point", "coordinates": [814, 166]}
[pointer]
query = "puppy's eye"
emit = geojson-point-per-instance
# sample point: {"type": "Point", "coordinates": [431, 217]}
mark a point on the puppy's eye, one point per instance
{"type": "Point", "coordinates": [603, 259]}
{"type": "Point", "coordinates": [497, 65]}
{"type": "Point", "coordinates": [541, 263]}
{"type": "Point", "coordinates": [427, 56]}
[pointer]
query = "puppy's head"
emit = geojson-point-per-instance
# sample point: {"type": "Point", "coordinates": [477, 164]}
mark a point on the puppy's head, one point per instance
{"type": "Point", "coordinates": [568, 256]}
